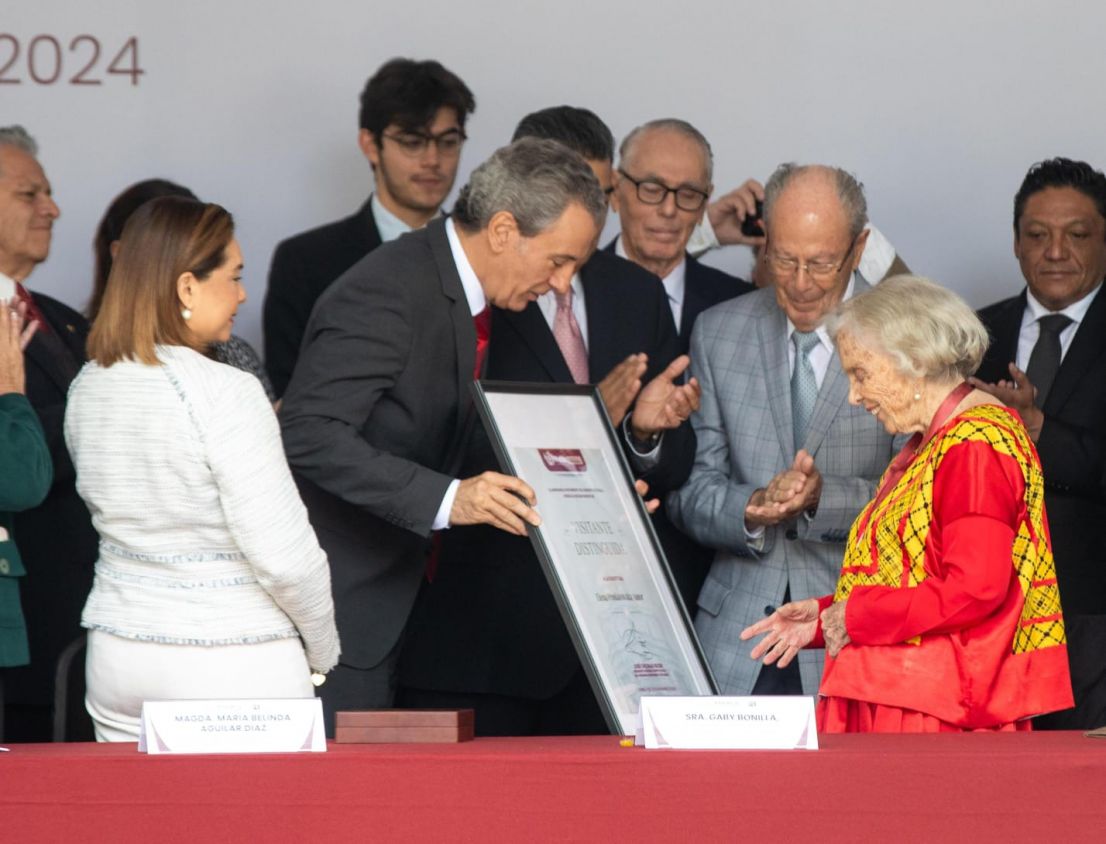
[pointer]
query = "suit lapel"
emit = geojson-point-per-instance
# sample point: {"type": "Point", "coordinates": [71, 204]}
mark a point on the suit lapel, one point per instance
{"type": "Point", "coordinates": [831, 399]}
{"type": "Point", "coordinates": [534, 333]}
{"type": "Point", "coordinates": [772, 330]}
{"type": "Point", "coordinates": [464, 332]}
{"type": "Point", "coordinates": [695, 301]}
{"type": "Point", "coordinates": [65, 334]}
{"type": "Point", "coordinates": [832, 396]}
{"type": "Point", "coordinates": [39, 354]}
{"type": "Point", "coordinates": [1086, 347]}
{"type": "Point", "coordinates": [602, 312]}
{"type": "Point", "coordinates": [1004, 344]}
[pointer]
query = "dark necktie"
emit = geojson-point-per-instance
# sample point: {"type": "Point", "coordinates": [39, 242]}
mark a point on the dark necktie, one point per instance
{"type": "Point", "coordinates": [1044, 361]}
{"type": "Point", "coordinates": [483, 323]}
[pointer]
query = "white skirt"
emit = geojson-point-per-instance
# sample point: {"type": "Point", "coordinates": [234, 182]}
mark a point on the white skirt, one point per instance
{"type": "Point", "coordinates": [122, 673]}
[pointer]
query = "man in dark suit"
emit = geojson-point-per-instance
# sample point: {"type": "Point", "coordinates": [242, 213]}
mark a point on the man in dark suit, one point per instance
{"type": "Point", "coordinates": [661, 190]}
{"type": "Point", "coordinates": [660, 193]}
{"type": "Point", "coordinates": [1047, 360]}
{"type": "Point", "coordinates": [56, 539]}
{"type": "Point", "coordinates": [377, 414]}
{"type": "Point", "coordinates": [412, 128]}
{"type": "Point", "coordinates": [486, 633]}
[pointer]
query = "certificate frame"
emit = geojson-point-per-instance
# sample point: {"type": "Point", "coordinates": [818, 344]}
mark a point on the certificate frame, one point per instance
{"type": "Point", "coordinates": [634, 642]}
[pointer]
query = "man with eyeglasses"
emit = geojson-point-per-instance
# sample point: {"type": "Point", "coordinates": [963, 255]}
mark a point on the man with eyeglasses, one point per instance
{"type": "Point", "coordinates": [660, 194]}
{"type": "Point", "coordinates": [412, 129]}
{"type": "Point", "coordinates": [784, 462]}
{"type": "Point", "coordinates": [661, 190]}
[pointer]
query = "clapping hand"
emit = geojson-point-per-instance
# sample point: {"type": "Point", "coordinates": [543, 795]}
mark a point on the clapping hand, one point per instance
{"type": "Point", "coordinates": [14, 338]}
{"type": "Point", "coordinates": [621, 386]}
{"type": "Point", "coordinates": [789, 493]}
{"type": "Point", "coordinates": [664, 404]}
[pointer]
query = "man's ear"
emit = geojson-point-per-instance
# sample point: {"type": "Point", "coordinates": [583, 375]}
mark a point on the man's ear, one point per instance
{"type": "Point", "coordinates": [367, 141]}
{"type": "Point", "coordinates": [858, 249]}
{"type": "Point", "coordinates": [615, 200]}
{"type": "Point", "coordinates": [502, 231]}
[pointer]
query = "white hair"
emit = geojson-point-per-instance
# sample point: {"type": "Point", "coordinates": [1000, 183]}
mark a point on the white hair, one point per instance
{"type": "Point", "coordinates": [928, 330]}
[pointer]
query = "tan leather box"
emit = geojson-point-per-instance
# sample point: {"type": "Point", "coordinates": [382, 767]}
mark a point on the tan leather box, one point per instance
{"type": "Point", "coordinates": [379, 726]}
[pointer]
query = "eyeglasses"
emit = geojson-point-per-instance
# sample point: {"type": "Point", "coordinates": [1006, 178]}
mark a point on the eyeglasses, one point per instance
{"type": "Point", "coordinates": [415, 143]}
{"type": "Point", "coordinates": [652, 192]}
{"type": "Point", "coordinates": [817, 270]}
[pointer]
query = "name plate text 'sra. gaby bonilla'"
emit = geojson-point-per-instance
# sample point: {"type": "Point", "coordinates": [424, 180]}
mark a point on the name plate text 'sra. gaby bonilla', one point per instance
{"type": "Point", "coordinates": [728, 723]}
{"type": "Point", "coordinates": [291, 725]}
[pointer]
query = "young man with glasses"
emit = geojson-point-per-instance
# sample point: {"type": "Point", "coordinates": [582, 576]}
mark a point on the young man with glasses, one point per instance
{"type": "Point", "coordinates": [412, 128]}
{"type": "Point", "coordinates": [784, 462]}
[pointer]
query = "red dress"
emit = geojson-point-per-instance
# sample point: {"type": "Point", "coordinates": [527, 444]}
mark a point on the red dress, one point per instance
{"type": "Point", "coordinates": [953, 609]}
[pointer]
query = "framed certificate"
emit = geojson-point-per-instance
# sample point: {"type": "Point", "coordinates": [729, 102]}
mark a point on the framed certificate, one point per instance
{"type": "Point", "coordinates": [596, 544]}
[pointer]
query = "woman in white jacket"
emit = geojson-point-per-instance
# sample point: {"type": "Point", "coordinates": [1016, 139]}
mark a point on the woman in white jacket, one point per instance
{"type": "Point", "coordinates": [210, 582]}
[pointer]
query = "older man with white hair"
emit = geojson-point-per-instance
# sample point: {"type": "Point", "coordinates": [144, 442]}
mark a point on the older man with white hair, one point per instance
{"type": "Point", "coordinates": [56, 539]}
{"type": "Point", "coordinates": [783, 462]}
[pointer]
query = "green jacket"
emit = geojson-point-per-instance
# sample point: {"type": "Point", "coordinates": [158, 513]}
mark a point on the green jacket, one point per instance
{"type": "Point", "coordinates": [25, 477]}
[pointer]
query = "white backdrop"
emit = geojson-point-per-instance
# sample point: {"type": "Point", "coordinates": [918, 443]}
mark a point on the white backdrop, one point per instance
{"type": "Point", "coordinates": [939, 107]}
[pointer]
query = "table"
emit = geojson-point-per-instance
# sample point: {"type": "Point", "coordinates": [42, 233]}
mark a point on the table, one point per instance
{"type": "Point", "coordinates": [1040, 787]}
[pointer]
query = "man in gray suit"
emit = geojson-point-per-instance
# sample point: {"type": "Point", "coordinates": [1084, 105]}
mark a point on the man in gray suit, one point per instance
{"type": "Point", "coordinates": [783, 463]}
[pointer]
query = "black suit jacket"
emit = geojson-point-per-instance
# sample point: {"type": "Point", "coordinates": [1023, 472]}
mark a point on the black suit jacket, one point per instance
{"type": "Point", "coordinates": [303, 267]}
{"type": "Point", "coordinates": [488, 623]}
{"type": "Point", "coordinates": [56, 539]}
{"type": "Point", "coordinates": [373, 421]}
{"type": "Point", "coordinates": [704, 288]}
{"type": "Point", "coordinates": [1072, 447]}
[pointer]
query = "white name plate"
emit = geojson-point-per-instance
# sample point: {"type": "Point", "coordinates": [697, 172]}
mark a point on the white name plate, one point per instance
{"type": "Point", "coordinates": [733, 723]}
{"type": "Point", "coordinates": [232, 726]}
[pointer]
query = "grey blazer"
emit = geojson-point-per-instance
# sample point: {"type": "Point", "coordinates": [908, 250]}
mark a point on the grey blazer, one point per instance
{"type": "Point", "coordinates": [744, 431]}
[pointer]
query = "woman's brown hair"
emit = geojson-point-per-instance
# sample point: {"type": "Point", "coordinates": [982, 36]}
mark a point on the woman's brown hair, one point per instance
{"type": "Point", "coordinates": [162, 240]}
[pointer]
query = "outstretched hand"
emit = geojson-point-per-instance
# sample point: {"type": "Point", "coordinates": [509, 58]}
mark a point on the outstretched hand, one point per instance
{"type": "Point", "coordinates": [788, 630]}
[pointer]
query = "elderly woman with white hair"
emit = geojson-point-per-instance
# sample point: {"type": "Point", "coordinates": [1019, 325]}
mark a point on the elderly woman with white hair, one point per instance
{"type": "Point", "coordinates": [946, 615]}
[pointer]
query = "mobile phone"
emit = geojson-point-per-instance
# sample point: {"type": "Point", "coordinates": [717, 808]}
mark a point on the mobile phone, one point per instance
{"type": "Point", "coordinates": [751, 225]}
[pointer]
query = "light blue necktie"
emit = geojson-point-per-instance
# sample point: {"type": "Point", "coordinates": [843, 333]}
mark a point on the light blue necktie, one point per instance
{"type": "Point", "coordinates": [804, 386]}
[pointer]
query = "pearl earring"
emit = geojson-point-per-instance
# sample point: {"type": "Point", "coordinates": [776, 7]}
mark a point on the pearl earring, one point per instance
{"type": "Point", "coordinates": [186, 313]}
{"type": "Point", "coordinates": [917, 397]}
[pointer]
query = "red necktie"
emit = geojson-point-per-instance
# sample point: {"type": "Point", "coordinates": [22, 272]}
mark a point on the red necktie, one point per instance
{"type": "Point", "coordinates": [483, 322]}
{"type": "Point", "coordinates": [33, 313]}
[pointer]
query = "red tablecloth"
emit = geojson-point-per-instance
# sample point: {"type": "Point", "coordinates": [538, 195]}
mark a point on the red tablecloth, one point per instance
{"type": "Point", "coordinates": [1041, 787]}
